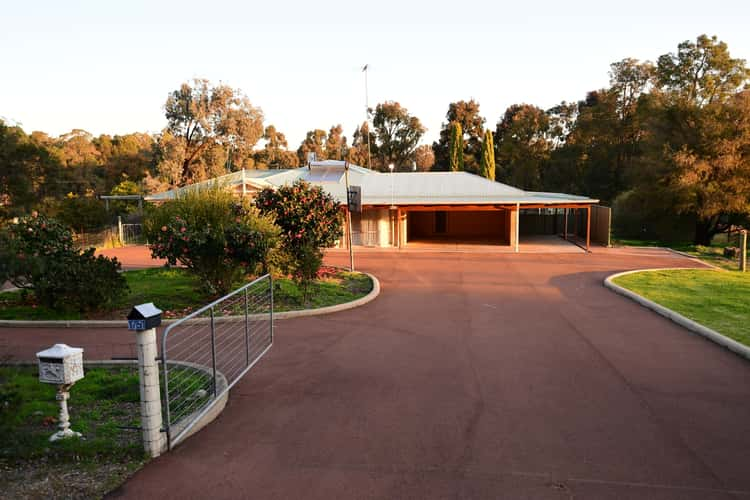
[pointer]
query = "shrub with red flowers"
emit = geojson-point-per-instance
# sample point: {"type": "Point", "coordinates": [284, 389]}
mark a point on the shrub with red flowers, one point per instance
{"type": "Point", "coordinates": [37, 254]}
{"type": "Point", "coordinates": [310, 220]}
{"type": "Point", "coordinates": [215, 236]}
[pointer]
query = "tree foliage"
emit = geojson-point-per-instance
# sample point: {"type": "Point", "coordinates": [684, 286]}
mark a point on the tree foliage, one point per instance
{"type": "Point", "coordinates": [397, 134]}
{"type": "Point", "coordinates": [522, 146]}
{"type": "Point", "coordinates": [310, 220]}
{"type": "Point", "coordinates": [456, 148]}
{"type": "Point", "coordinates": [425, 157]}
{"type": "Point", "coordinates": [37, 254]}
{"type": "Point", "coordinates": [466, 113]}
{"type": "Point", "coordinates": [212, 125]}
{"type": "Point", "coordinates": [487, 169]}
{"type": "Point", "coordinates": [216, 237]}
{"type": "Point", "coordinates": [275, 153]}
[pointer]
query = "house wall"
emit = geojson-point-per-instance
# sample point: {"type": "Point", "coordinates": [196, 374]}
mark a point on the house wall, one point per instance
{"type": "Point", "coordinates": [372, 227]}
{"type": "Point", "coordinates": [460, 224]}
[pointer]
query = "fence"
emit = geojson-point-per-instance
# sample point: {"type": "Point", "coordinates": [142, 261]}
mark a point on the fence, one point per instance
{"type": "Point", "coordinates": [205, 353]}
{"type": "Point", "coordinates": [552, 221]}
{"type": "Point", "coordinates": [130, 234]}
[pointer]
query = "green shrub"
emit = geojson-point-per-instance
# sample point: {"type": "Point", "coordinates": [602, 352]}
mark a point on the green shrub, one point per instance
{"type": "Point", "coordinates": [310, 220]}
{"type": "Point", "coordinates": [38, 254]}
{"type": "Point", "coordinates": [83, 213]}
{"type": "Point", "coordinates": [215, 236]}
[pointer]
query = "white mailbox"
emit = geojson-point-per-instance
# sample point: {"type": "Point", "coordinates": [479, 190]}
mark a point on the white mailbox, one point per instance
{"type": "Point", "coordinates": [60, 364]}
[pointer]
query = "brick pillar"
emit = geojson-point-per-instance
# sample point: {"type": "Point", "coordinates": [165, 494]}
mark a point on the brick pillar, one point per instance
{"type": "Point", "coordinates": [148, 372]}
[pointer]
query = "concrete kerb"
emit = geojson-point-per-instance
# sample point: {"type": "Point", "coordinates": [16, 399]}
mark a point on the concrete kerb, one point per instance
{"type": "Point", "coordinates": [678, 318]}
{"type": "Point", "coordinates": [123, 323]}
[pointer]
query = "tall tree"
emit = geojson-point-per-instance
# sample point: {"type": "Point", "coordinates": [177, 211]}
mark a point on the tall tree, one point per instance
{"type": "Point", "coordinates": [275, 153]}
{"type": "Point", "coordinates": [314, 142]}
{"type": "Point", "coordinates": [487, 169]}
{"type": "Point", "coordinates": [425, 157]}
{"type": "Point", "coordinates": [26, 168]}
{"type": "Point", "coordinates": [472, 125]}
{"type": "Point", "coordinates": [397, 133]}
{"type": "Point", "coordinates": [335, 145]}
{"type": "Point", "coordinates": [522, 146]}
{"type": "Point", "coordinates": [698, 135]}
{"type": "Point", "coordinates": [456, 148]}
{"type": "Point", "coordinates": [216, 122]}
{"type": "Point", "coordinates": [701, 72]}
{"type": "Point", "coordinates": [358, 152]}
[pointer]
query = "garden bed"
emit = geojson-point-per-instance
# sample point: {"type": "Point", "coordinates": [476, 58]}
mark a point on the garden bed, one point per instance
{"type": "Point", "coordinates": [715, 299]}
{"type": "Point", "coordinates": [103, 406]}
{"type": "Point", "coordinates": [178, 293]}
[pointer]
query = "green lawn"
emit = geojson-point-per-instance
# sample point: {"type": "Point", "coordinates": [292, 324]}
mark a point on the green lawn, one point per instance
{"type": "Point", "coordinates": [717, 299]}
{"type": "Point", "coordinates": [713, 254]}
{"type": "Point", "coordinates": [177, 293]}
{"type": "Point", "coordinates": [100, 405]}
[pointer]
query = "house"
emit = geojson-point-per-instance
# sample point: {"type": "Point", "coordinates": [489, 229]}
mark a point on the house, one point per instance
{"type": "Point", "coordinates": [400, 208]}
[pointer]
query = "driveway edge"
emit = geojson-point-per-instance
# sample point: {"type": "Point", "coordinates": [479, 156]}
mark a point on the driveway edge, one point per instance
{"type": "Point", "coordinates": [678, 318]}
{"type": "Point", "coordinates": [11, 323]}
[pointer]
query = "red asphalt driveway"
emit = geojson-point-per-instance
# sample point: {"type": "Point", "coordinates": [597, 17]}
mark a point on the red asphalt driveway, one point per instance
{"type": "Point", "coordinates": [471, 376]}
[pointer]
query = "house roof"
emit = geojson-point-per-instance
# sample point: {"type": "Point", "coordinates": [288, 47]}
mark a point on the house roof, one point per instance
{"type": "Point", "coordinates": [399, 188]}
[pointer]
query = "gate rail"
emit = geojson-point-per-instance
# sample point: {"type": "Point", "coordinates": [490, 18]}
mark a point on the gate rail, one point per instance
{"type": "Point", "coordinates": [208, 351]}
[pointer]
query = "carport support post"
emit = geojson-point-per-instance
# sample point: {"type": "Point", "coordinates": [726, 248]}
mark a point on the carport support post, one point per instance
{"type": "Point", "coordinates": [588, 227]}
{"type": "Point", "coordinates": [518, 221]}
{"type": "Point", "coordinates": [148, 376]}
{"type": "Point", "coordinates": [565, 229]}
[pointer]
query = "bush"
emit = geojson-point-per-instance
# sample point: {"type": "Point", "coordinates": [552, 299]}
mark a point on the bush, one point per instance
{"type": "Point", "coordinates": [638, 215]}
{"type": "Point", "coordinates": [215, 236]}
{"type": "Point", "coordinates": [310, 220]}
{"type": "Point", "coordinates": [83, 213]}
{"type": "Point", "coordinates": [38, 254]}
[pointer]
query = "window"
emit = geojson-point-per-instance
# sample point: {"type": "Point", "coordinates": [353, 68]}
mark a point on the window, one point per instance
{"type": "Point", "coordinates": [440, 222]}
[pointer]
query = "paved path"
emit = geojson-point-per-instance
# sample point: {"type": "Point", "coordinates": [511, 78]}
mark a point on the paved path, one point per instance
{"type": "Point", "coordinates": [475, 376]}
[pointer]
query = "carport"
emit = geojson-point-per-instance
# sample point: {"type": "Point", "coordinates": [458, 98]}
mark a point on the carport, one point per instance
{"type": "Point", "coordinates": [512, 226]}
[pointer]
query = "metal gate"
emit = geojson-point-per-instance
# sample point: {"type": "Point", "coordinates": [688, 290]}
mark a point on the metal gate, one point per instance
{"type": "Point", "coordinates": [132, 234]}
{"type": "Point", "coordinates": [205, 353]}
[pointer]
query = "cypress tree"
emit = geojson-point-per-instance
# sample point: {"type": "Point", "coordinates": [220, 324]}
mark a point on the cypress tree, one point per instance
{"type": "Point", "coordinates": [487, 169]}
{"type": "Point", "coordinates": [456, 148]}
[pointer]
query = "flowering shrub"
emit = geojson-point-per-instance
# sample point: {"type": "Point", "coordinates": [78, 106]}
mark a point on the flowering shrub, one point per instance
{"type": "Point", "coordinates": [38, 254]}
{"type": "Point", "coordinates": [310, 219]}
{"type": "Point", "coordinates": [216, 237]}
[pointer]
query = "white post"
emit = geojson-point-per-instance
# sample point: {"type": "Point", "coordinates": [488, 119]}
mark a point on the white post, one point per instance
{"type": "Point", "coordinates": [148, 371]}
{"type": "Point", "coordinates": [63, 393]}
{"type": "Point", "coordinates": [743, 250]}
{"type": "Point", "coordinates": [518, 222]}
{"type": "Point", "coordinates": [119, 230]}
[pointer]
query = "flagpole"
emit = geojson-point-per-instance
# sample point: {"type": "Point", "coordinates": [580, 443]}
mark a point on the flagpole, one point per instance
{"type": "Point", "coordinates": [367, 115]}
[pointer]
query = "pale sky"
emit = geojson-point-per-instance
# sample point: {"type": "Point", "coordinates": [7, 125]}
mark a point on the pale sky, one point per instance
{"type": "Point", "coordinates": [107, 68]}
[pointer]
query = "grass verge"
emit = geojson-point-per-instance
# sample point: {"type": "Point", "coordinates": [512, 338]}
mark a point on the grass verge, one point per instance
{"type": "Point", "coordinates": [100, 404]}
{"type": "Point", "coordinates": [177, 293]}
{"type": "Point", "coordinates": [716, 299]}
{"type": "Point", "coordinates": [713, 254]}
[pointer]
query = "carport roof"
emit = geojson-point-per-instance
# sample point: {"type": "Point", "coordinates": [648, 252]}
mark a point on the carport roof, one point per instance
{"type": "Point", "coordinates": [398, 188]}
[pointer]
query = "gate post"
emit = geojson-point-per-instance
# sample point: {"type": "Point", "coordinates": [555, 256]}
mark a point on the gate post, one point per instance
{"type": "Point", "coordinates": [119, 231]}
{"type": "Point", "coordinates": [148, 374]}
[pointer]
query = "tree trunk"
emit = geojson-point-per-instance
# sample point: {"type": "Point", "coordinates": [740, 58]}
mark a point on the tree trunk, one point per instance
{"type": "Point", "coordinates": [186, 170]}
{"type": "Point", "coordinates": [705, 229]}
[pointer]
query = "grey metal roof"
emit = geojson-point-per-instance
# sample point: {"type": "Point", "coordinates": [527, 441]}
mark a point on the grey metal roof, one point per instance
{"type": "Point", "coordinates": [399, 188]}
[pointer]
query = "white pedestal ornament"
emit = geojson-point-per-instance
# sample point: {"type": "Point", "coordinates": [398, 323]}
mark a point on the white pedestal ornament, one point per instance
{"type": "Point", "coordinates": [61, 365]}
